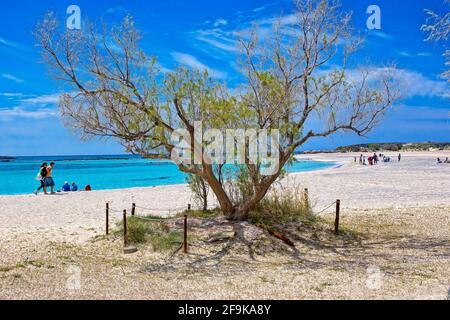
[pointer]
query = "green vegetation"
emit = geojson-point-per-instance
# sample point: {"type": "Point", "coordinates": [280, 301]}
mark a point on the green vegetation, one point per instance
{"type": "Point", "coordinates": [200, 213]}
{"type": "Point", "coordinates": [155, 232]}
{"type": "Point", "coordinates": [33, 263]}
{"type": "Point", "coordinates": [282, 207]}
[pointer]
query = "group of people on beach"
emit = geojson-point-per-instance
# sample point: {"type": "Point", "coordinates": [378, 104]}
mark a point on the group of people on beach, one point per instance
{"type": "Point", "coordinates": [439, 161]}
{"type": "Point", "coordinates": [45, 178]}
{"type": "Point", "coordinates": [375, 158]}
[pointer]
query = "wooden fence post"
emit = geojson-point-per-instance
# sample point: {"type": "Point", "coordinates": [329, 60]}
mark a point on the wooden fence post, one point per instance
{"type": "Point", "coordinates": [185, 245]}
{"type": "Point", "coordinates": [125, 240]}
{"type": "Point", "coordinates": [107, 218]}
{"type": "Point", "coordinates": [126, 248]}
{"type": "Point", "coordinates": [336, 222]}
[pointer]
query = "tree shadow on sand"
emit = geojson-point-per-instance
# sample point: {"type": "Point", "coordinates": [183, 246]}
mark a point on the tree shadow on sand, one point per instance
{"type": "Point", "coordinates": [239, 245]}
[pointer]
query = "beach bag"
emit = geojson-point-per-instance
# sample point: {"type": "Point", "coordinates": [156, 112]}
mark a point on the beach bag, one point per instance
{"type": "Point", "coordinates": [39, 176]}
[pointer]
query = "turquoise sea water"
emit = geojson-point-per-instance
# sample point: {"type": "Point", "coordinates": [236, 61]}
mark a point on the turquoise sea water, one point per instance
{"type": "Point", "coordinates": [17, 176]}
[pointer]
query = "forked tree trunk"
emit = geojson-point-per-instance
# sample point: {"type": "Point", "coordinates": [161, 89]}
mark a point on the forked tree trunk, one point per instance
{"type": "Point", "coordinates": [224, 201]}
{"type": "Point", "coordinates": [240, 212]}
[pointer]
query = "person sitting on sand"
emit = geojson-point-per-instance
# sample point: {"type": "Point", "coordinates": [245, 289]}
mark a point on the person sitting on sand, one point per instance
{"type": "Point", "coordinates": [88, 188]}
{"type": "Point", "coordinates": [49, 179]}
{"type": "Point", "coordinates": [41, 178]}
{"type": "Point", "coordinates": [65, 187]}
{"type": "Point", "coordinates": [439, 160]}
{"type": "Point", "coordinates": [74, 187]}
{"type": "Point", "coordinates": [446, 160]}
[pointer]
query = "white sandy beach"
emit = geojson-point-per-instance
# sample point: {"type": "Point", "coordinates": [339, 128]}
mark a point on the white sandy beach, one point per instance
{"type": "Point", "coordinates": [402, 208]}
{"type": "Point", "coordinates": [417, 181]}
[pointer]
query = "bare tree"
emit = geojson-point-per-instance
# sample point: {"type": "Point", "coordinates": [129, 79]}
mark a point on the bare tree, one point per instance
{"type": "Point", "coordinates": [297, 81]}
{"type": "Point", "coordinates": [438, 30]}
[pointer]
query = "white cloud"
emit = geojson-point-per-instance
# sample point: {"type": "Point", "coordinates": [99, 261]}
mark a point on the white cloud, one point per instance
{"type": "Point", "coordinates": [192, 62]}
{"type": "Point", "coordinates": [408, 54]}
{"type": "Point", "coordinates": [115, 9]}
{"type": "Point", "coordinates": [11, 95]}
{"type": "Point", "coordinates": [217, 39]}
{"type": "Point", "coordinates": [382, 35]}
{"type": "Point", "coordinates": [22, 112]}
{"type": "Point", "coordinates": [413, 83]}
{"type": "Point", "coordinates": [11, 77]}
{"type": "Point", "coordinates": [264, 7]}
{"type": "Point", "coordinates": [225, 40]}
{"type": "Point", "coordinates": [404, 53]}
{"type": "Point", "coordinates": [220, 22]}
{"type": "Point", "coordinates": [410, 82]}
{"type": "Point", "coordinates": [34, 107]}
{"type": "Point", "coordinates": [44, 99]}
{"type": "Point", "coordinates": [10, 44]}
{"type": "Point", "coordinates": [424, 54]}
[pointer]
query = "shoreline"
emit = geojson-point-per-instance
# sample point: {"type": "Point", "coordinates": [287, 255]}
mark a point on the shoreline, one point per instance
{"type": "Point", "coordinates": [129, 189]}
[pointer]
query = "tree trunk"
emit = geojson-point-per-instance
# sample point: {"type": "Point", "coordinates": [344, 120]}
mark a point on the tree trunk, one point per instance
{"type": "Point", "coordinates": [221, 195]}
{"type": "Point", "coordinates": [205, 195]}
{"type": "Point", "coordinates": [241, 212]}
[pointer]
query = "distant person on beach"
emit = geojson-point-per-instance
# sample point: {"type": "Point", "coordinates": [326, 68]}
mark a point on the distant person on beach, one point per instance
{"type": "Point", "coordinates": [399, 157]}
{"type": "Point", "coordinates": [66, 187]}
{"type": "Point", "coordinates": [49, 179]}
{"type": "Point", "coordinates": [446, 160]}
{"type": "Point", "coordinates": [41, 178]}
{"type": "Point", "coordinates": [74, 187]}
{"type": "Point", "coordinates": [88, 188]}
{"type": "Point", "coordinates": [439, 160]}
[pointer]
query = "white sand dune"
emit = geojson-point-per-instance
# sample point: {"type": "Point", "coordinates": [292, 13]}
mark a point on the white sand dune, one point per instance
{"type": "Point", "coordinates": [416, 181]}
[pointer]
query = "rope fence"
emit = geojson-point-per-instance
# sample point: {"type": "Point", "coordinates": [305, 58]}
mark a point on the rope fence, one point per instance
{"type": "Point", "coordinates": [155, 210]}
{"type": "Point", "coordinates": [326, 208]}
{"type": "Point", "coordinates": [184, 244]}
{"type": "Point", "coordinates": [337, 212]}
{"type": "Point", "coordinates": [130, 249]}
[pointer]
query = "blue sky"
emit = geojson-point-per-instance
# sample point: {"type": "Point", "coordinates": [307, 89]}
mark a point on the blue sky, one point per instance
{"type": "Point", "coordinates": [199, 34]}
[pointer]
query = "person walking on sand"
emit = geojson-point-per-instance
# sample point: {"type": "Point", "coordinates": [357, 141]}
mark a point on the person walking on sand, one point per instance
{"type": "Point", "coordinates": [399, 157]}
{"type": "Point", "coordinates": [48, 179]}
{"type": "Point", "coordinates": [41, 178]}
